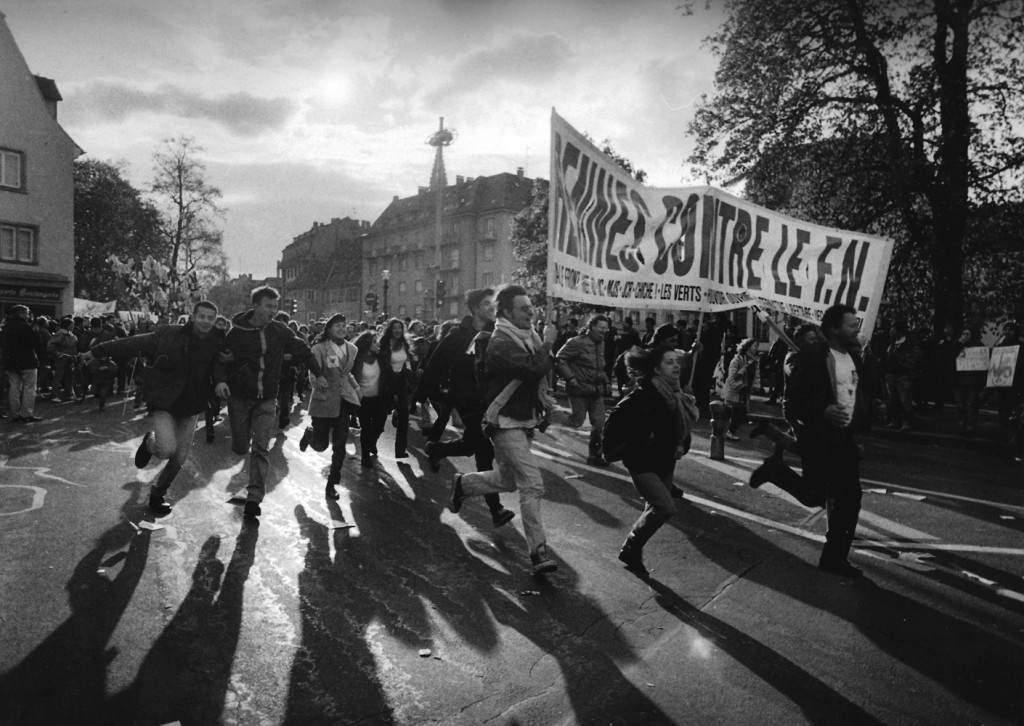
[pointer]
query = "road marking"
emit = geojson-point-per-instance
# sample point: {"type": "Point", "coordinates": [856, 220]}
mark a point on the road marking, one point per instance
{"type": "Point", "coordinates": [38, 496]}
{"type": "Point", "coordinates": [900, 530]}
{"type": "Point", "coordinates": [43, 472]}
{"type": "Point", "coordinates": [812, 536]}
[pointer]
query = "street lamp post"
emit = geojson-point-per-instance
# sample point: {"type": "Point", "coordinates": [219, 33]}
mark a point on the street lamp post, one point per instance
{"type": "Point", "coordinates": [385, 276]}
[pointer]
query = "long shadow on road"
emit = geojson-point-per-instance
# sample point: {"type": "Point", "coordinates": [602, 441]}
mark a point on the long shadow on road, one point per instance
{"type": "Point", "coordinates": [966, 659]}
{"type": "Point", "coordinates": [63, 680]}
{"type": "Point", "coordinates": [408, 581]}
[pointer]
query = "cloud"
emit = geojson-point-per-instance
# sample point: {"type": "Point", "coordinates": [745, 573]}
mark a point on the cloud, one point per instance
{"type": "Point", "coordinates": [522, 59]}
{"type": "Point", "coordinates": [239, 112]}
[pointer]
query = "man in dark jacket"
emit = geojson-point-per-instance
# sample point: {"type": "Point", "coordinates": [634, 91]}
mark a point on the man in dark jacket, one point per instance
{"type": "Point", "coordinates": [516, 367]}
{"type": "Point", "coordinates": [247, 378]}
{"type": "Point", "coordinates": [22, 349]}
{"type": "Point", "coordinates": [177, 383]}
{"type": "Point", "coordinates": [829, 401]}
{"type": "Point", "coordinates": [581, 363]}
{"type": "Point", "coordinates": [451, 366]}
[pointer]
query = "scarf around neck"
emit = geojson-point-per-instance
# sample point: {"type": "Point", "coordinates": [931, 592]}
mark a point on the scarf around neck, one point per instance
{"type": "Point", "coordinates": [526, 339]}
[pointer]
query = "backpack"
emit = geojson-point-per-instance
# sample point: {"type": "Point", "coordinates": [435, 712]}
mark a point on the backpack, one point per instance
{"type": "Point", "coordinates": [616, 430]}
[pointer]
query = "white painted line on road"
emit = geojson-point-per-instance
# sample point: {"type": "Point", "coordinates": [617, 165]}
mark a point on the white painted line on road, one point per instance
{"type": "Point", "coordinates": [42, 472]}
{"type": "Point", "coordinates": [38, 497]}
{"type": "Point", "coordinates": [900, 530]}
{"type": "Point", "coordinates": [812, 536]}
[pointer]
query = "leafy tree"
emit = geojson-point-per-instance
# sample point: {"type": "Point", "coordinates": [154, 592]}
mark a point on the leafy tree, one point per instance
{"type": "Point", "coordinates": [190, 211]}
{"type": "Point", "coordinates": [111, 218]}
{"type": "Point", "coordinates": [908, 111]}
{"type": "Point", "coordinates": [530, 230]}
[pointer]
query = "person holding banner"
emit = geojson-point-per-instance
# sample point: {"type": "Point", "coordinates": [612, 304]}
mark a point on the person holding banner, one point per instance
{"type": "Point", "coordinates": [1009, 399]}
{"type": "Point", "coordinates": [967, 386]}
{"type": "Point", "coordinates": [740, 380]}
{"type": "Point", "coordinates": [827, 397]}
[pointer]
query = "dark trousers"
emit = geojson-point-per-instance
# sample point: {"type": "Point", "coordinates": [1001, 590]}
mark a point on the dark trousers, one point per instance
{"type": "Point", "coordinates": [444, 414]}
{"type": "Point", "coordinates": [332, 431]}
{"type": "Point", "coordinates": [474, 443]}
{"type": "Point", "coordinates": [285, 393]}
{"type": "Point", "coordinates": [656, 490]}
{"type": "Point", "coordinates": [831, 457]}
{"type": "Point", "coordinates": [371, 424]}
{"type": "Point", "coordinates": [400, 415]}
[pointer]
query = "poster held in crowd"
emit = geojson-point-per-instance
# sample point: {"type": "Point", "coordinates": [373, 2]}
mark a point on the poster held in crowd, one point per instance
{"type": "Point", "coordinates": [975, 358]}
{"type": "Point", "coordinates": [615, 242]}
{"type": "Point", "coordinates": [1002, 366]}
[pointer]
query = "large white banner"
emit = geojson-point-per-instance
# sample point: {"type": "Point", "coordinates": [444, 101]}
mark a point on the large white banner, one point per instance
{"type": "Point", "coordinates": [614, 242]}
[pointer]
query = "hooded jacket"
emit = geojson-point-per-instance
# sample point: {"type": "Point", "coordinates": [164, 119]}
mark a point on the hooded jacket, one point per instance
{"type": "Point", "coordinates": [21, 346]}
{"type": "Point", "coordinates": [257, 355]}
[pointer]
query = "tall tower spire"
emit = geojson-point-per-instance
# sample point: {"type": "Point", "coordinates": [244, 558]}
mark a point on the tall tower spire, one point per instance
{"type": "Point", "coordinates": [438, 181]}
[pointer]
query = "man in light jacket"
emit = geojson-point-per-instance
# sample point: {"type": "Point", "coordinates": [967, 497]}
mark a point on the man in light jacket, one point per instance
{"type": "Point", "coordinates": [581, 363]}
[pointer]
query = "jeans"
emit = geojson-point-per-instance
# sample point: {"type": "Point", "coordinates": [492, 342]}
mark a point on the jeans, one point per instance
{"type": "Point", "coordinates": [968, 401]}
{"type": "Point", "coordinates": [253, 420]}
{"type": "Point", "coordinates": [899, 399]}
{"type": "Point", "coordinates": [172, 439]}
{"type": "Point", "coordinates": [515, 468]}
{"type": "Point", "coordinates": [400, 417]}
{"type": "Point", "coordinates": [583, 407]}
{"type": "Point", "coordinates": [333, 431]}
{"type": "Point", "coordinates": [22, 396]}
{"type": "Point", "coordinates": [659, 508]}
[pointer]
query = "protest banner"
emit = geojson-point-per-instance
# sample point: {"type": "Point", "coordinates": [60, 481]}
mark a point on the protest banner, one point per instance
{"type": "Point", "coordinates": [615, 242]}
{"type": "Point", "coordinates": [973, 359]}
{"type": "Point", "coordinates": [1002, 366]}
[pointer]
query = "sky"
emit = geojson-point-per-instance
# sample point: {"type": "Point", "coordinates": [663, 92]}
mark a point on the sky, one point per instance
{"type": "Point", "coordinates": [314, 109]}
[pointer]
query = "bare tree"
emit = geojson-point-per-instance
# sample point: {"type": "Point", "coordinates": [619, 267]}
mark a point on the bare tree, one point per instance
{"type": "Point", "coordinates": [190, 209]}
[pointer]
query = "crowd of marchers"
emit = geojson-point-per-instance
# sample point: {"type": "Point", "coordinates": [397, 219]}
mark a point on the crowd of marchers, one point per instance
{"type": "Point", "coordinates": [491, 378]}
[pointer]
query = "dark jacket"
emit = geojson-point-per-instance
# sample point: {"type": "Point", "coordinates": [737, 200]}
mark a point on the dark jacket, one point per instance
{"type": "Point", "coordinates": [504, 361]}
{"type": "Point", "coordinates": [170, 381]}
{"type": "Point", "coordinates": [653, 430]}
{"type": "Point", "coordinates": [257, 357]}
{"type": "Point", "coordinates": [21, 345]}
{"type": "Point", "coordinates": [583, 360]}
{"type": "Point", "coordinates": [811, 389]}
{"type": "Point", "coordinates": [451, 368]}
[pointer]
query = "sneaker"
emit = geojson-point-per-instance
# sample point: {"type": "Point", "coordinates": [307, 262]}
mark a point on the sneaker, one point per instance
{"type": "Point", "coordinates": [433, 456]}
{"type": "Point", "coordinates": [457, 496]}
{"type": "Point", "coordinates": [502, 517]}
{"type": "Point", "coordinates": [307, 436]}
{"type": "Point", "coordinates": [541, 562]}
{"type": "Point", "coordinates": [143, 454]}
{"type": "Point", "coordinates": [31, 419]}
{"type": "Point", "coordinates": [158, 506]}
{"type": "Point", "coordinates": [401, 454]}
{"type": "Point", "coordinates": [905, 427]}
{"type": "Point", "coordinates": [252, 510]}
{"type": "Point", "coordinates": [332, 493]}
{"type": "Point", "coordinates": [843, 569]}
{"type": "Point", "coordinates": [675, 492]}
{"type": "Point", "coordinates": [366, 461]}
{"type": "Point", "coordinates": [731, 436]}
{"type": "Point", "coordinates": [633, 558]}
{"type": "Point", "coordinates": [596, 461]}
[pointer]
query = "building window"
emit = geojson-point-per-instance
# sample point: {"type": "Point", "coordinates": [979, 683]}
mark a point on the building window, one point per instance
{"type": "Point", "coordinates": [489, 227]}
{"type": "Point", "coordinates": [402, 287]}
{"type": "Point", "coordinates": [419, 311]}
{"type": "Point", "coordinates": [12, 169]}
{"type": "Point", "coordinates": [18, 244]}
{"type": "Point", "coordinates": [419, 286]}
{"type": "Point", "coordinates": [488, 252]}
{"type": "Point", "coordinates": [487, 279]}
{"type": "Point", "coordinates": [311, 295]}
{"type": "Point", "coordinates": [401, 311]}
{"type": "Point", "coordinates": [352, 294]}
{"type": "Point", "coordinates": [455, 258]}
{"type": "Point", "coordinates": [453, 308]}
{"type": "Point", "coordinates": [417, 260]}
{"type": "Point", "coordinates": [372, 267]}
{"type": "Point", "coordinates": [405, 262]}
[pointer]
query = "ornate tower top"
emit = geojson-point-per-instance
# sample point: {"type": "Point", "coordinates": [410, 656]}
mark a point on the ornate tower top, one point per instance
{"type": "Point", "coordinates": [440, 139]}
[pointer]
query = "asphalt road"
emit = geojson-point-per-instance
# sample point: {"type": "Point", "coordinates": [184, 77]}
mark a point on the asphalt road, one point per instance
{"type": "Point", "coordinates": [386, 608]}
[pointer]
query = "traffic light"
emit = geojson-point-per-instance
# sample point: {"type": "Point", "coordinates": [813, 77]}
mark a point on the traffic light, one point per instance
{"type": "Point", "coordinates": [290, 306]}
{"type": "Point", "coordinates": [441, 291]}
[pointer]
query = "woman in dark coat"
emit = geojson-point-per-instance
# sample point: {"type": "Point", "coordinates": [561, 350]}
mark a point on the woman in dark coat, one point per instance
{"type": "Point", "coordinates": [397, 362]}
{"type": "Point", "coordinates": [658, 417]}
{"type": "Point", "coordinates": [372, 394]}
